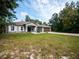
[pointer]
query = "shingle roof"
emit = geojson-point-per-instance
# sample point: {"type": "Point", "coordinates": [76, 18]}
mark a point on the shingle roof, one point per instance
{"type": "Point", "coordinates": [23, 22]}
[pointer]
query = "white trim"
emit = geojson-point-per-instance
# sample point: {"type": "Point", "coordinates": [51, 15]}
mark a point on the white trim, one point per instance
{"type": "Point", "coordinates": [42, 29]}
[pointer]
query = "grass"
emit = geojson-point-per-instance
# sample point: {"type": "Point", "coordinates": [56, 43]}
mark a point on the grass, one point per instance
{"type": "Point", "coordinates": [48, 43]}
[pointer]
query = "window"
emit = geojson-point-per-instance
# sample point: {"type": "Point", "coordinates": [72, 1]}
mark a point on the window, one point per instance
{"type": "Point", "coordinates": [12, 28]}
{"type": "Point", "coordinates": [21, 28]}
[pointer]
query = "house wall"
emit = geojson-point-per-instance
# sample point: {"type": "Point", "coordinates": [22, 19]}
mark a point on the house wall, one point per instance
{"type": "Point", "coordinates": [19, 29]}
{"type": "Point", "coordinates": [36, 29]}
{"type": "Point", "coordinates": [9, 28]}
{"type": "Point", "coordinates": [16, 29]}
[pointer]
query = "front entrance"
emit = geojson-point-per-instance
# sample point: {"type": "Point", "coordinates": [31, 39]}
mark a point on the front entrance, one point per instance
{"type": "Point", "coordinates": [30, 28]}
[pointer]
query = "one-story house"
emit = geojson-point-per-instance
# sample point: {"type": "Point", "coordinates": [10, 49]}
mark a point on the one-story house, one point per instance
{"type": "Point", "coordinates": [23, 26]}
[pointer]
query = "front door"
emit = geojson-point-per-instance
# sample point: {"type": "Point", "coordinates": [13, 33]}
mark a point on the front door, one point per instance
{"type": "Point", "coordinates": [31, 29]}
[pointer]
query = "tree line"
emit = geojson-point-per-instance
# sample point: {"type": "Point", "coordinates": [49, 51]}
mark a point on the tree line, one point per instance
{"type": "Point", "coordinates": [67, 20]}
{"type": "Point", "coordinates": [36, 21]}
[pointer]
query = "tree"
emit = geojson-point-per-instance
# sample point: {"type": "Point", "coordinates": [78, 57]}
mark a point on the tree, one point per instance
{"type": "Point", "coordinates": [67, 4]}
{"type": "Point", "coordinates": [69, 16]}
{"type": "Point", "coordinates": [27, 18]}
{"type": "Point", "coordinates": [38, 22]}
{"type": "Point", "coordinates": [67, 20]}
{"type": "Point", "coordinates": [72, 4]}
{"type": "Point", "coordinates": [44, 23]}
{"type": "Point", "coordinates": [54, 21]}
{"type": "Point", "coordinates": [77, 4]}
{"type": "Point", "coordinates": [6, 12]}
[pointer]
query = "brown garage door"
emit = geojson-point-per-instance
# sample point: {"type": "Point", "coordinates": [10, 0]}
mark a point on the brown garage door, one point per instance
{"type": "Point", "coordinates": [46, 29]}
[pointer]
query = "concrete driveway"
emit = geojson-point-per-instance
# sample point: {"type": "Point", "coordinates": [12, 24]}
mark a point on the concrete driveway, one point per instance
{"type": "Point", "coordinates": [72, 34]}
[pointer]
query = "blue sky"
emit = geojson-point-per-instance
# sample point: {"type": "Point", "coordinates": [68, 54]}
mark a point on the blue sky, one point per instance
{"type": "Point", "coordinates": [39, 9]}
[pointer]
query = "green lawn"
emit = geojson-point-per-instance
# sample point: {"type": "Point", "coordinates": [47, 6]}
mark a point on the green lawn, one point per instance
{"type": "Point", "coordinates": [57, 45]}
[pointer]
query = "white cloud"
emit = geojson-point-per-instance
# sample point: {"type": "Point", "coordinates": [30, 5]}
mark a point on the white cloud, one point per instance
{"type": "Point", "coordinates": [44, 1]}
{"type": "Point", "coordinates": [45, 8]}
{"type": "Point", "coordinates": [23, 14]}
